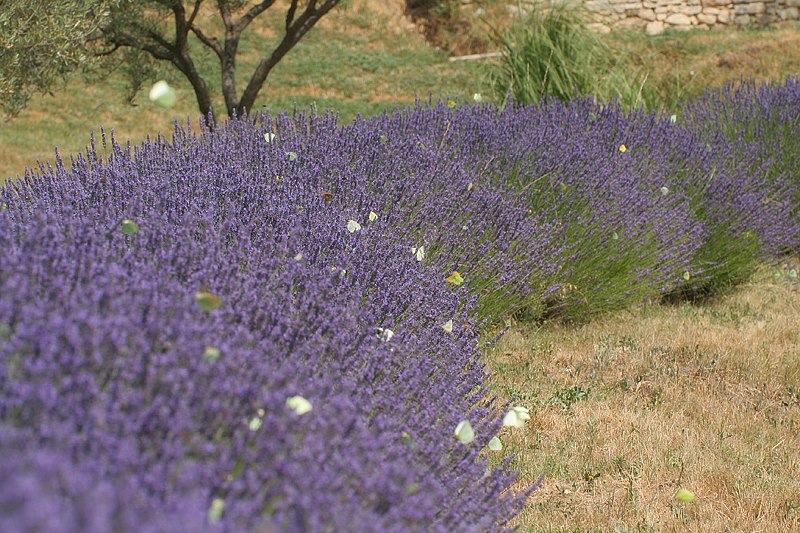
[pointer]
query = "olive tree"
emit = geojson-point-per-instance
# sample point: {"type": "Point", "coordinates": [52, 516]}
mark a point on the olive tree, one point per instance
{"type": "Point", "coordinates": [42, 41]}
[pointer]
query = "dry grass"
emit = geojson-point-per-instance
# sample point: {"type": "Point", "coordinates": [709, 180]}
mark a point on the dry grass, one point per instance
{"type": "Point", "coordinates": [630, 407]}
{"type": "Point", "coordinates": [683, 64]}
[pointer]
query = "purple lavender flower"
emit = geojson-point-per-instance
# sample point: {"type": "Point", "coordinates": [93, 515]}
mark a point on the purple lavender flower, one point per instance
{"type": "Point", "coordinates": [164, 310]}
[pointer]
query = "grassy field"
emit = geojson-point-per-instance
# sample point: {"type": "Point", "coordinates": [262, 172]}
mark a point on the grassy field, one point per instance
{"type": "Point", "coordinates": [625, 409]}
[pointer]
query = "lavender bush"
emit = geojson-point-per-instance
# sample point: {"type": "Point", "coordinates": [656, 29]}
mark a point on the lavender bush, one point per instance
{"type": "Point", "coordinates": [764, 121]}
{"type": "Point", "coordinates": [164, 348]}
{"type": "Point", "coordinates": [274, 326]}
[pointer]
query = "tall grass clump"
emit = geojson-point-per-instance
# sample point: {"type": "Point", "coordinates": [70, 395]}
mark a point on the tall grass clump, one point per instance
{"type": "Point", "coordinates": [552, 53]}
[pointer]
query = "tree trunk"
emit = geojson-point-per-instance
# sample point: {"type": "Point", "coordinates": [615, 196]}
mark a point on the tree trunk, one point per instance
{"type": "Point", "coordinates": [229, 72]}
{"type": "Point", "coordinates": [186, 65]}
{"type": "Point", "coordinates": [204, 100]}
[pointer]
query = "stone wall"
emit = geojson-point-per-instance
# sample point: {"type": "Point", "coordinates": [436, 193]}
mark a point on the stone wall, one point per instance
{"type": "Point", "coordinates": [654, 16]}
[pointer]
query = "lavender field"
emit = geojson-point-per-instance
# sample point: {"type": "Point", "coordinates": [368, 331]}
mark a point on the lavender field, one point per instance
{"type": "Point", "coordinates": [277, 325]}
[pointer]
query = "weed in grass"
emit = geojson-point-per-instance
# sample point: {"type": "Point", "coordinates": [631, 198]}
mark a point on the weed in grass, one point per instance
{"type": "Point", "coordinates": [641, 527]}
{"type": "Point", "coordinates": [792, 396]}
{"type": "Point", "coordinates": [792, 508]}
{"type": "Point", "coordinates": [609, 346]}
{"type": "Point", "coordinates": [566, 397]}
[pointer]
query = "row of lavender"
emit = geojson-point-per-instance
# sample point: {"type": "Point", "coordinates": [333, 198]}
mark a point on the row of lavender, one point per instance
{"type": "Point", "coordinates": [274, 326]}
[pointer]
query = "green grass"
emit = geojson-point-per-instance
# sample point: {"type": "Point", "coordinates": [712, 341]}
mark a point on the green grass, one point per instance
{"type": "Point", "coordinates": [554, 54]}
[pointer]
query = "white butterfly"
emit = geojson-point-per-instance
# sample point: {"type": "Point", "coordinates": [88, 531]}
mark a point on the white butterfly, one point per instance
{"type": "Point", "coordinates": [516, 417]}
{"type": "Point", "coordinates": [464, 432]}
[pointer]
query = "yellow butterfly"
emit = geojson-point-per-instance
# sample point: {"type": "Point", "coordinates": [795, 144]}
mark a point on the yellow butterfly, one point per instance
{"type": "Point", "coordinates": [455, 278]}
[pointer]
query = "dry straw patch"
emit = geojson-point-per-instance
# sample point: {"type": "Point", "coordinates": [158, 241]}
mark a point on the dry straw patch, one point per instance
{"type": "Point", "coordinates": [632, 406]}
{"type": "Point", "coordinates": [386, 15]}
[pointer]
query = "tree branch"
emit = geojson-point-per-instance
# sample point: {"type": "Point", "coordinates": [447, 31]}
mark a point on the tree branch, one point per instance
{"type": "Point", "coordinates": [211, 42]}
{"type": "Point", "coordinates": [196, 8]}
{"type": "Point", "coordinates": [253, 12]}
{"type": "Point", "coordinates": [123, 40]}
{"type": "Point", "coordinates": [228, 56]}
{"type": "Point", "coordinates": [104, 53]}
{"type": "Point", "coordinates": [226, 15]}
{"type": "Point", "coordinates": [157, 37]}
{"type": "Point", "coordinates": [294, 33]}
{"type": "Point", "coordinates": [146, 32]}
{"type": "Point", "coordinates": [290, 14]}
{"type": "Point", "coordinates": [200, 90]}
{"type": "Point", "coordinates": [181, 27]}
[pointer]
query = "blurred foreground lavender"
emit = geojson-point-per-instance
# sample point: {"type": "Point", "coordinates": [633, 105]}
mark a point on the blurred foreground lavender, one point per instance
{"type": "Point", "coordinates": [160, 305]}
